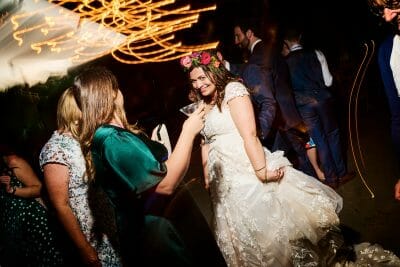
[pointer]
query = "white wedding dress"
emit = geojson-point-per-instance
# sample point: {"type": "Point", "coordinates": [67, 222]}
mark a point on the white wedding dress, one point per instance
{"type": "Point", "coordinates": [290, 223]}
{"type": "Point", "coordinates": [258, 224]}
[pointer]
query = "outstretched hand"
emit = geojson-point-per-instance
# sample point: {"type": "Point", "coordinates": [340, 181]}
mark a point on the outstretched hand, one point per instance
{"type": "Point", "coordinates": [390, 14]}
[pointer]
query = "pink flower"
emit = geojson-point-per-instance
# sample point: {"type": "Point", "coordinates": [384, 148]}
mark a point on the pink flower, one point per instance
{"type": "Point", "coordinates": [195, 54]}
{"type": "Point", "coordinates": [186, 61]}
{"type": "Point", "coordinates": [205, 58]}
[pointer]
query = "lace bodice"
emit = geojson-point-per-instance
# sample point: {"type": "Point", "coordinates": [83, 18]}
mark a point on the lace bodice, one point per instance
{"type": "Point", "coordinates": [218, 124]}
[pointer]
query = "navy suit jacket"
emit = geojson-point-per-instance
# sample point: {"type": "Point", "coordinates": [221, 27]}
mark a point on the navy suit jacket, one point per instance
{"type": "Point", "coordinates": [265, 105]}
{"type": "Point", "coordinates": [277, 77]}
{"type": "Point", "coordinates": [287, 115]}
{"type": "Point", "coordinates": [384, 53]}
{"type": "Point", "coordinates": [307, 78]}
{"type": "Point", "coordinates": [256, 78]}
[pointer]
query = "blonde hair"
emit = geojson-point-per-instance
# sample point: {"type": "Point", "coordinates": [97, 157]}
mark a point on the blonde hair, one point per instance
{"type": "Point", "coordinates": [95, 91]}
{"type": "Point", "coordinates": [68, 114]}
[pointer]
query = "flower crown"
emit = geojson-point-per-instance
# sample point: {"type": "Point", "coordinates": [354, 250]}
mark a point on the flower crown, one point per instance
{"type": "Point", "coordinates": [200, 58]}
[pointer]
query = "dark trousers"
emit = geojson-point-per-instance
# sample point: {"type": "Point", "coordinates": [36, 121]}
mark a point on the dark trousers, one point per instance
{"type": "Point", "coordinates": [321, 121]}
{"type": "Point", "coordinates": [293, 140]}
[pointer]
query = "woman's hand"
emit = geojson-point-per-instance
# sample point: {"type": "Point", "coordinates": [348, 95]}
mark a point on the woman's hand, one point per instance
{"type": "Point", "coordinates": [195, 122]}
{"type": "Point", "coordinates": [390, 14]}
{"type": "Point", "coordinates": [274, 176]}
{"type": "Point", "coordinates": [5, 179]}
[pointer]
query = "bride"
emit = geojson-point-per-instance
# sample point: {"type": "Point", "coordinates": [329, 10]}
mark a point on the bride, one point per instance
{"type": "Point", "coordinates": [266, 213]}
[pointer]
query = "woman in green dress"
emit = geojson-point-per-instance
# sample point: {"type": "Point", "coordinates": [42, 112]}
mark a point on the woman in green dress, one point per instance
{"type": "Point", "coordinates": [133, 169]}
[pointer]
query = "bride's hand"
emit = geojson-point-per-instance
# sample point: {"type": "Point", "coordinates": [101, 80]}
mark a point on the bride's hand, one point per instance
{"type": "Point", "coordinates": [274, 176]}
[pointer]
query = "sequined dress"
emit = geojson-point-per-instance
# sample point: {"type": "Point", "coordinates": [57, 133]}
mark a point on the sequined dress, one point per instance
{"type": "Point", "coordinates": [255, 223]}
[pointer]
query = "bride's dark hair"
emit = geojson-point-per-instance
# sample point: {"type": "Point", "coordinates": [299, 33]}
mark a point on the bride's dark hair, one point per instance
{"type": "Point", "coordinates": [220, 76]}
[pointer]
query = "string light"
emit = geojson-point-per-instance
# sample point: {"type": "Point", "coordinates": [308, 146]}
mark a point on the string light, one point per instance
{"type": "Point", "coordinates": [145, 29]}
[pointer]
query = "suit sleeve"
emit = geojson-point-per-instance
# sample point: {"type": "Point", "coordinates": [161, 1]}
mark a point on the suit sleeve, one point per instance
{"type": "Point", "coordinates": [261, 85]}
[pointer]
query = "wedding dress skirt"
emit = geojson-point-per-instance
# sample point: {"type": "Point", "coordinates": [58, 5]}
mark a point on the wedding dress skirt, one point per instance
{"type": "Point", "coordinates": [293, 222]}
{"type": "Point", "coordinates": [256, 224]}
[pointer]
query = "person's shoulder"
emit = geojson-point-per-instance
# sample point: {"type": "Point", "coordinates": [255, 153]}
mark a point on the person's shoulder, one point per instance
{"type": "Point", "coordinates": [113, 136]}
{"type": "Point", "coordinates": [58, 141]}
{"type": "Point", "coordinates": [235, 85]}
{"type": "Point", "coordinates": [234, 89]}
{"type": "Point", "coordinates": [259, 46]}
{"type": "Point", "coordinates": [250, 67]}
{"type": "Point", "coordinates": [105, 132]}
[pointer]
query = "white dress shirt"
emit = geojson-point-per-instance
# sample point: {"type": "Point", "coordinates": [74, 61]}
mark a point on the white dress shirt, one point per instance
{"type": "Point", "coordinates": [395, 62]}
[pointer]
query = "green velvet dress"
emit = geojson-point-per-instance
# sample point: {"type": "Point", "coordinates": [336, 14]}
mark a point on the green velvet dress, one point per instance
{"type": "Point", "coordinates": [128, 167]}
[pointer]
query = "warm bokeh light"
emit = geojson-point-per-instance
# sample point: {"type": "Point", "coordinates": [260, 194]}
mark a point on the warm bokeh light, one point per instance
{"type": "Point", "coordinates": [146, 28]}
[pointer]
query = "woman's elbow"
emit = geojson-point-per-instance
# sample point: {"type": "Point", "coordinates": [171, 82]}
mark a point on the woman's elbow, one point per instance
{"type": "Point", "coordinates": [165, 190]}
{"type": "Point", "coordinates": [36, 190]}
{"type": "Point", "coordinates": [166, 187]}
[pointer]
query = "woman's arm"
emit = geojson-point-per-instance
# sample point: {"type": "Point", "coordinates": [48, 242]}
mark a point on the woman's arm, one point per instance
{"type": "Point", "coordinates": [242, 113]}
{"type": "Point", "coordinates": [178, 162]}
{"type": "Point", "coordinates": [397, 190]}
{"type": "Point", "coordinates": [204, 159]}
{"type": "Point", "coordinates": [56, 178]}
{"type": "Point", "coordinates": [24, 173]}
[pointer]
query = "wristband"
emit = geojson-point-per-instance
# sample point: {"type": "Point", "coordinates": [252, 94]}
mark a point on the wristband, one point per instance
{"type": "Point", "coordinates": [266, 177]}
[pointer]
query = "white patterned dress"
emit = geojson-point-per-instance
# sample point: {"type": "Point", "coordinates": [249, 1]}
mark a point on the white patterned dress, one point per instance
{"type": "Point", "coordinates": [65, 150]}
{"type": "Point", "coordinates": [255, 223]}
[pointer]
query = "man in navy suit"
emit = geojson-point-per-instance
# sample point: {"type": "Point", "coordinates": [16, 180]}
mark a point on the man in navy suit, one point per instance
{"type": "Point", "coordinates": [389, 65]}
{"type": "Point", "coordinates": [309, 74]}
{"type": "Point", "coordinates": [287, 132]}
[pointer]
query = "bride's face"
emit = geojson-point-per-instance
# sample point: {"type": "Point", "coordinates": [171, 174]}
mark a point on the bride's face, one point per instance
{"type": "Point", "coordinates": [201, 82]}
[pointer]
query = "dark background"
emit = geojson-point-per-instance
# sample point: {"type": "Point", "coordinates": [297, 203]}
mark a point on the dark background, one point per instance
{"type": "Point", "coordinates": [154, 92]}
{"type": "Point", "coordinates": [343, 30]}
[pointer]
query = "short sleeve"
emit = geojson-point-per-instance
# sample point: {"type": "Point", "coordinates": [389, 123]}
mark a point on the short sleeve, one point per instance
{"type": "Point", "coordinates": [234, 89]}
{"type": "Point", "coordinates": [132, 162]}
{"type": "Point", "coordinates": [52, 153]}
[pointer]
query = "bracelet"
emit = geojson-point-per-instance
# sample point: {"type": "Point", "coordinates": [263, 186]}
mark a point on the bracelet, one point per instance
{"type": "Point", "coordinates": [260, 168]}
{"type": "Point", "coordinates": [266, 177]}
